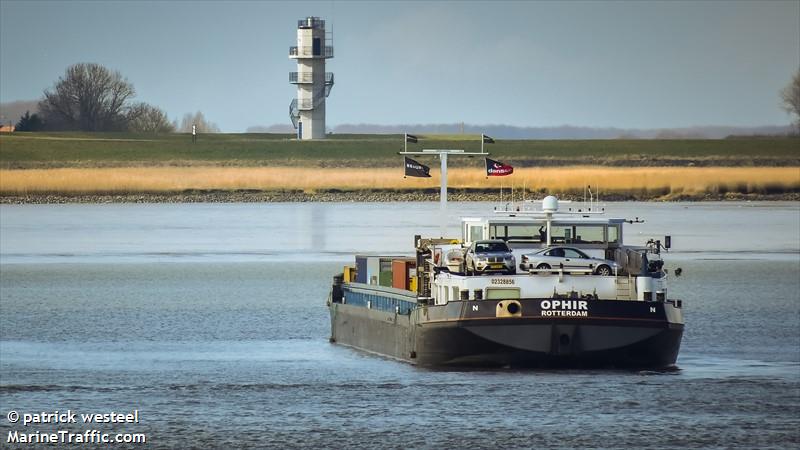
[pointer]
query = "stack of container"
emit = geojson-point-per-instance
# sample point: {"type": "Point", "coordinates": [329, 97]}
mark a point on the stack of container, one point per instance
{"type": "Point", "coordinates": [376, 270]}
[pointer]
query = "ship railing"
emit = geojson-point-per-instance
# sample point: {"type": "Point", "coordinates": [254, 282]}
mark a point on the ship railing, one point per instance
{"type": "Point", "coordinates": [557, 270]}
{"type": "Point", "coordinates": [561, 271]}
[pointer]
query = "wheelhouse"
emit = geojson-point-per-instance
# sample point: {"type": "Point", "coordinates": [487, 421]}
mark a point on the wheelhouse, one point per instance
{"type": "Point", "coordinates": [594, 235]}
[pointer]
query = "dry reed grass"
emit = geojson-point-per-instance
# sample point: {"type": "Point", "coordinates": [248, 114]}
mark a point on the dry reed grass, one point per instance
{"type": "Point", "coordinates": [662, 181]}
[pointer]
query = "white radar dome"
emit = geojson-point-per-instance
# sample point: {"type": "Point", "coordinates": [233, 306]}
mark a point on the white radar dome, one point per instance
{"type": "Point", "coordinates": [550, 204]}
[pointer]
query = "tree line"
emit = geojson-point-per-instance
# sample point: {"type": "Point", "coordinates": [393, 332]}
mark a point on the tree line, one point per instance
{"type": "Point", "coordinates": [90, 97]}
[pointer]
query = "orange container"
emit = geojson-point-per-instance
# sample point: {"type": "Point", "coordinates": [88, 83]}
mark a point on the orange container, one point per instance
{"type": "Point", "coordinates": [401, 272]}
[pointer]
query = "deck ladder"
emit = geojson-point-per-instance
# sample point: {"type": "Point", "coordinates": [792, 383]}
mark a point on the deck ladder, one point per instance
{"type": "Point", "coordinates": [623, 288]}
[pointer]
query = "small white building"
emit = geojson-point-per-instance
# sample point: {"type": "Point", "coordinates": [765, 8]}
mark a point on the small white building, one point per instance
{"type": "Point", "coordinates": [307, 111]}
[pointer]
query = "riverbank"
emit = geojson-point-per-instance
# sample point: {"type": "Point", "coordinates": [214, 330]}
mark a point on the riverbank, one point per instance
{"type": "Point", "coordinates": [427, 195]}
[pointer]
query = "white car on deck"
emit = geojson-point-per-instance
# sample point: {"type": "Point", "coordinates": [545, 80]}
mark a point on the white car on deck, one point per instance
{"type": "Point", "coordinates": [569, 258]}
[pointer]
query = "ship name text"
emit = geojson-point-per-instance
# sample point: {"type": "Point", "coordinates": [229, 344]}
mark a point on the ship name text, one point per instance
{"type": "Point", "coordinates": [564, 308]}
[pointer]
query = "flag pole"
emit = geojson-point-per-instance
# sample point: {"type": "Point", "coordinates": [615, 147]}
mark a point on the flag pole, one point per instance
{"type": "Point", "coordinates": [481, 142]}
{"type": "Point", "coordinates": [405, 142]}
{"type": "Point", "coordinates": [442, 153]}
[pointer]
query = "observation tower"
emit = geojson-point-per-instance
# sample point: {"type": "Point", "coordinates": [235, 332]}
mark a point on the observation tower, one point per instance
{"type": "Point", "coordinates": [307, 111]}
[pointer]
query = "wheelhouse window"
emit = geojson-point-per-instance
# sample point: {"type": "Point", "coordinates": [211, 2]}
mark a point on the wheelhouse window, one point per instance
{"type": "Point", "coordinates": [613, 234]}
{"type": "Point", "coordinates": [475, 232]}
{"type": "Point", "coordinates": [561, 234]}
{"type": "Point", "coordinates": [523, 233]}
{"type": "Point", "coordinates": [589, 234]}
{"type": "Point", "coordinates": [519, 233]}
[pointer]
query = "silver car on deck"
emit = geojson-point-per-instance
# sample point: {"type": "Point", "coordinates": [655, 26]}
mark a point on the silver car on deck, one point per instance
{"type": "Point", "coordinates": [568, 258]}
{"type": "Point", "coordinates": [490, 256]}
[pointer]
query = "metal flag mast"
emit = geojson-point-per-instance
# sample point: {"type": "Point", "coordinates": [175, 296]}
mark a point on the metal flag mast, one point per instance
{"type": "Point", "coordinates": [443, 153]}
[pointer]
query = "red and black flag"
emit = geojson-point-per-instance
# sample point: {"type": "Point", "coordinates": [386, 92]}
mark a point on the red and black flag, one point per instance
{"type": "Point", "coordinates": [415, 169]}
{"type": "Point", "coordinates": [497, 169]}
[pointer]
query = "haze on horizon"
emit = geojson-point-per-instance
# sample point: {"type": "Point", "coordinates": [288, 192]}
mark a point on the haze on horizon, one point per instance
{"type": "Point", "coordinates": [638, 65]}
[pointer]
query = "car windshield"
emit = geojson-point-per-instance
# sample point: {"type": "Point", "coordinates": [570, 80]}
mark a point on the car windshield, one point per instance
{"type": "Point", "coordinates": [487, 247]}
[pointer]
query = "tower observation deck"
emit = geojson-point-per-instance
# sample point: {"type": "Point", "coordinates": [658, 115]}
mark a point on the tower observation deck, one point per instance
{"type": "Point", "coordinates": [307, 111]}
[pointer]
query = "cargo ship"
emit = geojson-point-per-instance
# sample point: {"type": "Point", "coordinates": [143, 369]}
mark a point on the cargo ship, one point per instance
{"type": "Point", "coordinates": [592, 302]}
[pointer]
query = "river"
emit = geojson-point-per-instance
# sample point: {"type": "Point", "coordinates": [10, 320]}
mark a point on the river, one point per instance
{"type": "Point", "coordinates": [210, 321]}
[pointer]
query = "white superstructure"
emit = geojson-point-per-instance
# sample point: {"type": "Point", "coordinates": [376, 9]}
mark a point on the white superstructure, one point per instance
{"type": "Point", "coordinates": [307, 111]}
{"type": "Point", "coordinates": [637, 273]}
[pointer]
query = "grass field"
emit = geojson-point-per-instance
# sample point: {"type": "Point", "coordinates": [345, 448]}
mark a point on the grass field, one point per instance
{"type": "Point", "coordinates": [99, 163]}
{"type": "Point", "coordinates": [654, 182]}
{"type": "Point", "coordinates": [42, 150]}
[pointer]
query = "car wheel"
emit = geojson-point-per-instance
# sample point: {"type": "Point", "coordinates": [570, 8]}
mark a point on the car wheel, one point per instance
{"type": "Point", "coordinates": [543, 266]}
{"type": "Point", "coordinates": [604, 270]}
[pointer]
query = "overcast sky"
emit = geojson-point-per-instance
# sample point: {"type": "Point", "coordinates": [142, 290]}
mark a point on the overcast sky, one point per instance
{"type": "Point", "coordinates": [622, 64]}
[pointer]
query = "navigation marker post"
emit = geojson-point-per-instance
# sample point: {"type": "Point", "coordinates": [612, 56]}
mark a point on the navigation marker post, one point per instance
{"type": "Point", "coordinates": [443, 153]}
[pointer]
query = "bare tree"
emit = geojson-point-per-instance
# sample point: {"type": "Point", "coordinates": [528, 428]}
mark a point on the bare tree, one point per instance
{"type": "Point", "coordinates": [199, 120]}
{"type": "Point", "coordinates": [88, 97]}
{"type": "Point", "coordinates": [791, 98]}
{"type": "Point", "coordinates": [142, 117]}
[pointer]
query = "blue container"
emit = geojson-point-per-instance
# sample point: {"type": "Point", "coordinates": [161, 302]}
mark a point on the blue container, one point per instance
{"type": "Point", "coordinates": [361, 269]}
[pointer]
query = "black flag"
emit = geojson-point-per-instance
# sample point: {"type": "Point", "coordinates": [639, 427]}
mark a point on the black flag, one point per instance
{"type": "Point", "coordinates": [411, 138]}
{"type": "Point", "coordinates": [497, 169]}
{"type": "Point", "coordinates": [415, 169]}
{"type": "Point", "coordinates": [487, 139]}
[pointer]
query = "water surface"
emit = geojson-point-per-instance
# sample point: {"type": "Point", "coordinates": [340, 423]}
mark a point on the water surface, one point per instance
{"type": "Point", "coordinates": [211, 321]}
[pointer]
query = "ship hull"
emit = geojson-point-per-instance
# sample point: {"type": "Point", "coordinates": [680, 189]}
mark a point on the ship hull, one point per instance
{"type": "Point", "coordinates": [543, 345]}
{"type": "Point", "coordinates": [478, 334]}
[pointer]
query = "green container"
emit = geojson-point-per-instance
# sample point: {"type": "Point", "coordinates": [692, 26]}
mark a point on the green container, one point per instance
{"type": "Point", "coordinates": [385, 278]}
